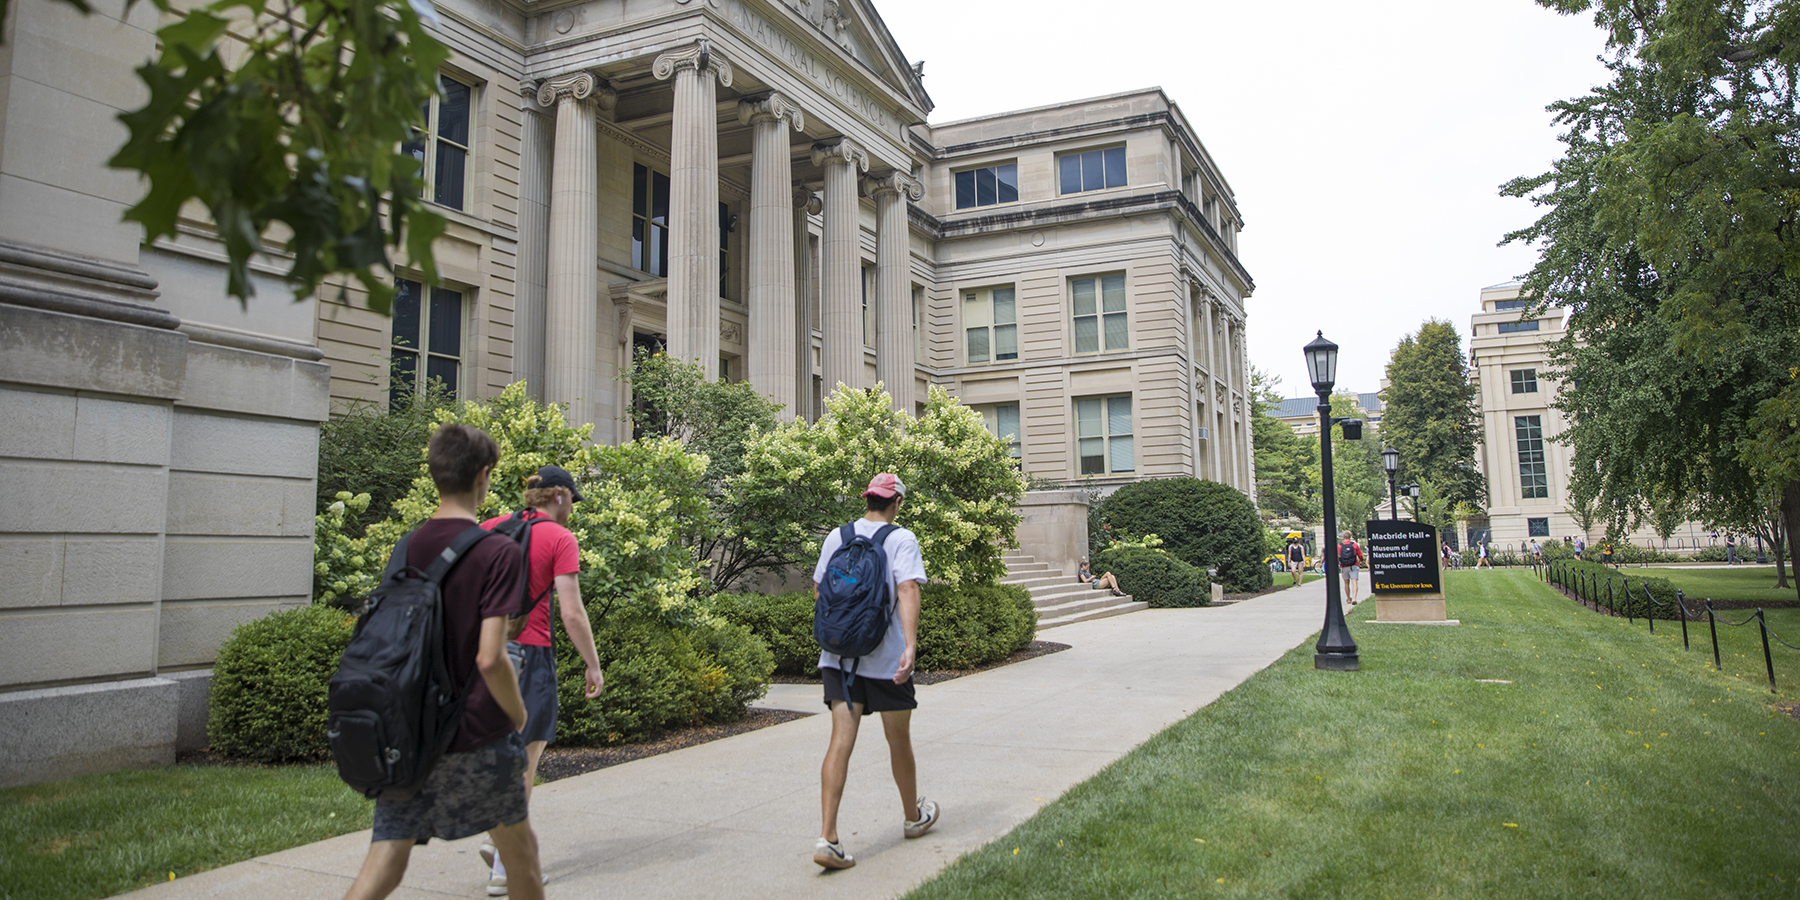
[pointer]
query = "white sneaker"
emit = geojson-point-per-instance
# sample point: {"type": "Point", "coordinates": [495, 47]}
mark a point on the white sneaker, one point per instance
{"type": "Point", "coordinates": [928, 816]}
{"type": "Point", "coordinates": [497, 883]}
{"type": "Point", "coordinates": [831, 855]}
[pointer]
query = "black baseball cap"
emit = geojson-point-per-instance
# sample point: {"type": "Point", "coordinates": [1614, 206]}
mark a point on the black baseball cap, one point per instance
{"type": "Point", "coordinates": [556, 476]}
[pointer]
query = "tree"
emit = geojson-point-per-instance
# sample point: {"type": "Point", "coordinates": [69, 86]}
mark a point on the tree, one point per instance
{"type": "Point", "coordinates": [1202, 523]}
{"type": "Point", "coordinates": [1287, 466]}
{"type": "Point", "coordinates": [301, 148]}
{"type": "Point", "coordinates": [1359, 485]}
{"type": "Point", "coordinates": [1431, 413]}
{"type": "Point", "coordinates": [1672, 237]}
{"type": "Point", "coordinates": [714, 419]}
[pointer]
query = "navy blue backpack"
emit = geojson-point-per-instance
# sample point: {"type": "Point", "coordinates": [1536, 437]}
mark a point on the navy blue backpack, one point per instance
{"type": "Point", "coordinates": [855, 603]}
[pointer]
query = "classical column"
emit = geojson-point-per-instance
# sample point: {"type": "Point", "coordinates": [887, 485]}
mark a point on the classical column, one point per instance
{"type": "Point", "coordinates": [1215, 398]}
{"type": "Point", "coordinates": [698, 70]}
{"type": "Point", "coordinates": [538, 131]}
{"type": "Point", "coordinates": [571, 270]}
{"type": "Point", "coordinates": [1241, 371]}
{"type": "Point", "coordinates": [771, 252]}
{"type": "Point", "coordinates": [841, 318]}
{"type": "Point", "coordinates": [893, 289]}
{"type": "Point", "coordinates": [806, 205]}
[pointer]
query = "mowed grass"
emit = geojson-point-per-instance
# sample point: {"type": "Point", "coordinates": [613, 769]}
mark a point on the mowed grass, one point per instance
{"type": "Point", "coordinates": [1754, 584]}
{"type": "Point", "coordinates": [98, 835]}
{"type": "Point", "coordinates": [1613, 765]}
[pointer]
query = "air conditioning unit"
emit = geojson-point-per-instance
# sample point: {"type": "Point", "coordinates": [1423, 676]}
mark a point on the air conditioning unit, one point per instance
{"type": "Point", "coordinates": [1205, 434]}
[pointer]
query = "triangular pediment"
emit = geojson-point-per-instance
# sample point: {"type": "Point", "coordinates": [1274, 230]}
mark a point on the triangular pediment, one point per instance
{"type": "Point", "coordinates": [857, 29]}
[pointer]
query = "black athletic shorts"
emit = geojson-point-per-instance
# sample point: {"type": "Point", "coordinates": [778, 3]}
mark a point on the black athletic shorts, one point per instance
{"type": "Point", "coordinates": [537, 683]}
{"type": "Point", "coordinates": [875, 694]}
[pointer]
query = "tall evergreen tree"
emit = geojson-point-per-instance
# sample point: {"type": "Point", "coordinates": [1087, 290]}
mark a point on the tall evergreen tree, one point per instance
{"type": "Point", "coordinates": [1431, 414]}
{"type": "Point", "coordinates": [1672, 236]}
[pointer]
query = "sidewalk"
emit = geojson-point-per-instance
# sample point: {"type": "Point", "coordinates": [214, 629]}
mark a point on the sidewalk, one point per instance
{"type": "Point", "coordinates": [737, 817]}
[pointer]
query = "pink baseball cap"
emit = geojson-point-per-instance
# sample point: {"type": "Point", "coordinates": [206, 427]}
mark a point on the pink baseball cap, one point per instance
{"type": "Point", "coordinates": [887, 484]}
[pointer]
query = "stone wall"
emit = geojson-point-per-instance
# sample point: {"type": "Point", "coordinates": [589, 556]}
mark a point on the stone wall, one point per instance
{"type": "Point", "coordinates": [1054, 528]}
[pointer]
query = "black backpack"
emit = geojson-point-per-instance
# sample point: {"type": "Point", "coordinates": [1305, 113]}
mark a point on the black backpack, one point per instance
{"type": "Point", "coordinates": [855, 603]}
{"type": "Point", "coordinates": [392, 707]}
{"type": "Point", "coordinates": [1346, 554]}
{"type": "Point", "coordinates": [519, 529]}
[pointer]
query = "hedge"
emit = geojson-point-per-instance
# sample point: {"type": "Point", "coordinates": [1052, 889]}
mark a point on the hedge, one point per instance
{"type": "Point", "coordinates": [1203, 523]}
{"type": "Point", "coordinates": [1589, 580]}
{"type": "Point", "coordinates": [1156, 576]}
{"type": "Point", "coordinates": [269, 685]}
{"type": "Point", "coordinates": [960, 626]}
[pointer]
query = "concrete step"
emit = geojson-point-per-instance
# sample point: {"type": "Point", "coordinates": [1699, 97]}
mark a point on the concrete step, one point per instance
{"type": "Point", "coordinates": [1018, 569]}
{"type": "Point", "coordinates": [1070, 605]}
{"type": "Point", "coordinates": [1043, 597]}
{"type": "Point", "coordinates": [1048, 623]}
{"type": "Point", "coordinates": [1033, 581]}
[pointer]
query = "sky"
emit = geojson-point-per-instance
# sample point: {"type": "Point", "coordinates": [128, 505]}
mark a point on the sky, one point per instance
{"type": "Point", "coordinates": [1365, 141]}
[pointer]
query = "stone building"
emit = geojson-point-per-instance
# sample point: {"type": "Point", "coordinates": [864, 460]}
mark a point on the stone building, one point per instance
{"type": "Point", "coordinates": [750, 184]}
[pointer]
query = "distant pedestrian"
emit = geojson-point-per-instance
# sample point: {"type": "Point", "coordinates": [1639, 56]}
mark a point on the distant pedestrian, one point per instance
{"type": "Point", "coordinates": [1731, 557]}
{"type": "Point", "coordinates": [1296, 559]}
{"type": "Point", "coordinates": [1537, 554]}
{"type": "Point", "coordinates": [1481, 556]}
{"type": "Point", "coordinates": [478, 785]}
{"type": "Point", "coordinates": [1580, 545]}
{"type": "Point", "coordinates": [879, 681]}
{"type": "Point", "coordinates": [555, 564]}
{"type": "Point", "coordinates": [1449, 560]}
{"type": "Point", "coordinates": [1350, 560]}
{"type": "Point", "coordinates": [1606, 553]}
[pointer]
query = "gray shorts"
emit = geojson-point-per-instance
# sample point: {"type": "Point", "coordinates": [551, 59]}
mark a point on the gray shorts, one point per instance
{"type": "Point", "coordinates": [537, 682]}
{"type": "Point", "coordinates": [1350, 571]}
{"type": "Point", "coordinates": [465, 794]}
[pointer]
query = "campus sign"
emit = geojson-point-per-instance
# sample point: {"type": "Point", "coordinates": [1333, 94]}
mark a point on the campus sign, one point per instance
{"type": "Point", "coordinates": [1403, 558]}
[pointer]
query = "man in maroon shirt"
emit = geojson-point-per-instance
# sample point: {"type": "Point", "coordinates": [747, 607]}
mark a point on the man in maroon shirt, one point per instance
{"type": "Point", "coordinates": [479, 784]}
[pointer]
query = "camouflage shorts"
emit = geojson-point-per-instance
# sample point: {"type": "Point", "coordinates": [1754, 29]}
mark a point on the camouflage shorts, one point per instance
{"type": "Point", "coordinates": [467, 793]}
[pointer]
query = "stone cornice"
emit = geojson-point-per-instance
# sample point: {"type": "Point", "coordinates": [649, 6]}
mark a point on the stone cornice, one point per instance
{"type": "Point", "coordinates": [844, 150]}
{"type": "Point", "coordinates": [701, 56]}
{"type": "Point", "coordinates": [773, 105]}
{"type": "Point", "coordinates": [896, 182]}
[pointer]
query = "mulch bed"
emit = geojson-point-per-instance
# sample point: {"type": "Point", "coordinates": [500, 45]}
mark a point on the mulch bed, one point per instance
{"type": "Point", "coordinates": [1033, 651]}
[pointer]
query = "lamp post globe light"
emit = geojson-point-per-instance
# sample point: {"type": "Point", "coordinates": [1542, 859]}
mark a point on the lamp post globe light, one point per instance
{"type": "Point", "coordinates": [1390, 460]}
{"type": "Point", "coordinates": [1412, 490]}
{"type": "Point", "coordinates": [1336, 651]}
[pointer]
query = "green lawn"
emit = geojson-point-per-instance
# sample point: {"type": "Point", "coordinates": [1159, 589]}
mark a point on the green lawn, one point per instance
{"type": "Point", "coordinates": [1613, 765]}
{"type": "Point", "coordinates": [1755, 584]}
{"type": "Point", "coordinates": [99, 835]}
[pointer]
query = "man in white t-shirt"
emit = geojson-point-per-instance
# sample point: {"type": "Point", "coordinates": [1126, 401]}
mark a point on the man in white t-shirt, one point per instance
{"type": "Point", "coordinates": [882, 682]}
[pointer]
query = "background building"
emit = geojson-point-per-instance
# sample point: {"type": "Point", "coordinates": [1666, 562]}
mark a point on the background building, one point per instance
{"type": "Point", "coordinates": [749, 184]}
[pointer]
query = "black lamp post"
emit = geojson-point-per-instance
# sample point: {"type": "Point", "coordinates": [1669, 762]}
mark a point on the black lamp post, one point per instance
{"type": "Point", "coordinates": [1412, 490]}
{"type": "Point", "coordinates": [1390, 460]}
{"type": "Point", "coordinates": [1336, 650]}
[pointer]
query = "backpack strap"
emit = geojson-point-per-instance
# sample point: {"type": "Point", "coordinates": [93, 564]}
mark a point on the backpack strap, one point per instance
{"type": "Point", "coordinates": [465, 539]}
{"type": "Point", "coordinates": [882, 533]}
{"type": "Point", "coordinates": [396, 559]}
{"type": "Point", "coordinates": [847, 533]}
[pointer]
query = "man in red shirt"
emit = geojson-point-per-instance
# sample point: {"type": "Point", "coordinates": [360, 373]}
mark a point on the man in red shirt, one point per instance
{"type": "Point", "coordinates": [478, 784]}
{"type": "Point", "coordinates": [555, 563]}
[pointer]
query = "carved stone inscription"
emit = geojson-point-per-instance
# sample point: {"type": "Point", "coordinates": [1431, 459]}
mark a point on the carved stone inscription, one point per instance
{"type": "Point", "coordinates": [822, 73]}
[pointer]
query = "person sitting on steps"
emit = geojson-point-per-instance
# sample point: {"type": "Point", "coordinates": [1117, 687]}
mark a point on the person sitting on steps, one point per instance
{"type": "Point", "coordinates": [1104, 581]}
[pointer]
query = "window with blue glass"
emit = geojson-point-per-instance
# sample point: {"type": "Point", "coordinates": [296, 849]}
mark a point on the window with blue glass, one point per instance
{"type": "Point", "coordinates": [987, 186]}
{"type": "Point", "coordinates": [990, 325]}
{"type": "Point", "coordinates": [1512, 327]}
{"type": "Point", "coordinates": [1103, 435]}
{"type": "Point", "coordinates": [1534, 479]}
{"type": "Point", "coordinates": [1502, 305]}
{"type": "Point", "coordinates": [1091, 170]}
{"type": "Point", "coordinates": [427, 337]}
{"type": "Point", "coordinates": [1524, 381]}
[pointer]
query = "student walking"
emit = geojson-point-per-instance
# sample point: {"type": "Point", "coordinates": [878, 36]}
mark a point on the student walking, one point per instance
{"type": "Point", "coordinates": [479, 784]}
{"type": "Point", "coordinates": [554, 564]}
{"type": "Point", "coordinates": [1296, 560]}
{"type": "Point", "coordinates": [1731, 557]}
{"type": "Point", "coordinates": [880, 681]}
{"type": "Point", "coordinates": [1350, 560]}
{"type": "Point", "coordinates": [1481, 557]}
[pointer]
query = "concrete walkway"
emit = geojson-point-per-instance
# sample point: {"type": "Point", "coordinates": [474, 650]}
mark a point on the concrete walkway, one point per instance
{"type": "Point", "coordinates": [737, 817]}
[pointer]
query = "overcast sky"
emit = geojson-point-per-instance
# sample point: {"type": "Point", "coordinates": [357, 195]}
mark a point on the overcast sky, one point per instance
{"type": "Point", "coordinates": [1365, 141]}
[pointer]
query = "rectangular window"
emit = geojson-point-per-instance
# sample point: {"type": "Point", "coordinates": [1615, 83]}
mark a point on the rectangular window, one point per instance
{"type": "Point", "coordinates": [1002, 421]}
{"type": "Point", "coordinates": [1524, 381]}
{"type": "Point", "coordinates": [1537, 527]}
{"type": "Point", "coordinates": [990, 325]}
{"type": "Point", "coordinates": [725, 227]}
{"type": "Point", "coordinates": [1534, 482]}
{"type": "Point", "coordinates": [1091, 170]}
{"type": "Point", "coordinates": [1103, 435]}
{"type": "Point", "coordinates": [987, 186]}
{"type": "Point", "coordinates": [426, 332]}
{"type": "Point", "coordinates": [918, 320]}
{"type": "Point", "coordinates": [1502, 305]}
{"type": "Point", "coordinates": [1099, 304]}
{"type": "Point", "coordinates": [649, 220]}
{"type": "Point", "coordinates": [868, 279]}
{"type": "Point", "coordinates": [1511, 327]}
{"type": "Point", "coordinates": [442, 147]}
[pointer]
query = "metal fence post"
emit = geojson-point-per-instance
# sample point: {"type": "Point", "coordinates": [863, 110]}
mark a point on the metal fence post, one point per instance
{"type": "Point", "coordinates": [1767, 660]}
{"type": "Point", "coordinates": [1649, 601]}
{"type": "Point", "coordinates": [1681, 607]}
{"type": "Point", "coordinates": [1712, 621]}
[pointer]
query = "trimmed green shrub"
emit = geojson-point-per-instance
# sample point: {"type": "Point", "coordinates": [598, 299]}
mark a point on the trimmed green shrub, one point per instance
{"type": "Point", "coordinates": [376, 450]}
{"type": "Point", "coordinates": [269, 685]}
{"type": "Point", "coordinates": [1711, 553]}
{"type": "Point", "coordinates": [1203, 523]}
{"type": "Point", "coordinates": [966, 625]}
{"type": "Point", "coordinates": [783, 621]}
{"type": "Point", "coordinates": [1589, 581]}
{"type": "Point", "coordinates": [659, 675]}
{"type": "Point", "coordinates": [1154, 575]}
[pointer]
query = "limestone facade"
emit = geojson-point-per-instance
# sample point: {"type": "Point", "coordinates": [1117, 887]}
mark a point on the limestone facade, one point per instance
{"type": "Point", "coordinates": [752, 185]}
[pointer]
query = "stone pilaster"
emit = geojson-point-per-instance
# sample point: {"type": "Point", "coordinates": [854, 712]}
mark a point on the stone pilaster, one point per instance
{"type": "Point", "coordinates": [841, 297]}
{"type": "Point", "coordinates": [572, 282]}
{"type": "Point", "coordinates": [893, 293]}
{"type": "Point", "coordinates": [538, 132]}
{"type": "Point", "coordinates": [771, 252]}
{"type": "Point", "coordinates": [806, 205]}
{"type": "Point", "coordinates": [698, 70]}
